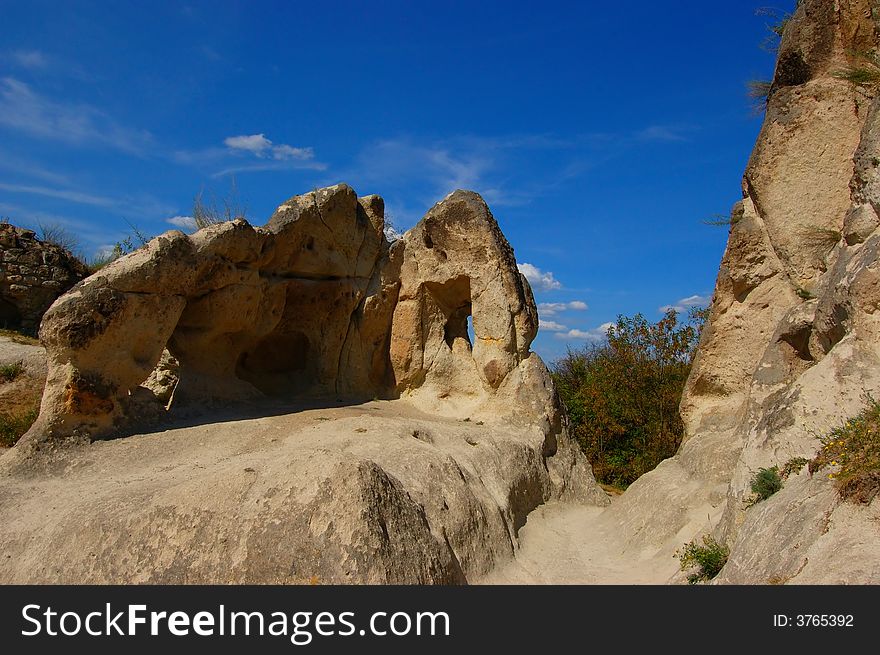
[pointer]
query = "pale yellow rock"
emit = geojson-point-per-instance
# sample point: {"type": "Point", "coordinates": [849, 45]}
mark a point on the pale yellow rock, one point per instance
{"type": "Point", "coordinates": [217, 347]}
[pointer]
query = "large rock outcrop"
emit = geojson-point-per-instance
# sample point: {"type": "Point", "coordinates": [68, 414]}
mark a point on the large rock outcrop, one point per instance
{"type": "Point", "coordinates": [218, 347]}
{"type": "Point", "coordinates": [792, 344]}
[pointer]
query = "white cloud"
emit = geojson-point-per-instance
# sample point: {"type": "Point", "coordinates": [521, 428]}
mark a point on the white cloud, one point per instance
{"type": "Point", "coordinates": [285, 152]}
{"type": "Point", "coordinates": [30, 59]}
{"type": "Point", "coordinates": [553, 308]}
{"type": "Point", "coordinates": [255, 143]}
{"type": "Point", "coordinates": [259, 145]}
{"type": "Point", "coordinates": [596, 334]}
{"type": "Point", "coordinates": [183, 222]}
{"type": "Point", "coordinates": [540, 280]}
{"type": "Point", "coordinates": [552, 326]}
{"type": "Point", "coordinates": [25, 110]}
{"type": "Point", "coordinates": [686, 303]}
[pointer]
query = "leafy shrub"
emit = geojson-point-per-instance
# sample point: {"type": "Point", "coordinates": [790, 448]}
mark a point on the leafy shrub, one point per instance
{"type": "Point", "coordinates": [709, 559]}
{"type": "Point", "coordinates": [8, 372]}
{"type": "Point", "coordinates": [622, 396]}
{"type": "Point", "coordinates": [765, 483]}
{"type": "Point", "coordinates": [13, 426]}
{"type": "Point", "coordinates": [854, 448]}
{"type": "Point", "coordinates": [794, 466]}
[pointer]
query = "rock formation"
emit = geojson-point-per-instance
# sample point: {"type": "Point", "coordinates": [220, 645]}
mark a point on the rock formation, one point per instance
{"type": "Point", "coordinates": [33, 274]}
{"type": "Point", "coordinates": [315, 309]}
{"type": "Point", "coordinates": [792, 344]}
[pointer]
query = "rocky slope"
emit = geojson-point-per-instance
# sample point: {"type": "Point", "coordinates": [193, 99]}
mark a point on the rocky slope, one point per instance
{"type": "Point", "coordinates": [238, 361]}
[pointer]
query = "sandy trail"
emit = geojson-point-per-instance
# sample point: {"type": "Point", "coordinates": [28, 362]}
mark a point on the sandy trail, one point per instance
{"type": "Point", "coordinates": [574, 544]}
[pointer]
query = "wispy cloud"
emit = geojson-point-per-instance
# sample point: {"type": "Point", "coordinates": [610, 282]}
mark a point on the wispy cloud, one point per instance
{"type": "Point", "coordinates": [209, 53]}
{"type": "Point", "coordinates": [187, 223]}
{"type": "Point", "coordinates": [596, 334]}
{"type": "Point", "coordinates": [668, 133]}
{"type": "Point", "coordinates": [259, 146]}
{"type": "Point", "coordinates": [540, 280]}
{"type": "Point", "coordinates": [249, 153]}
{"type": "Point", "coordinates": [30, 59]}
{"type": "Point", "coordinates": [27, 111]}
{"type": "Point", "coordinates": [425, 170]}
{"type": "Point", "coordinates": [27, 217]}
{"type": "Point", "coordinates": [685, 304]}
{"type": "Point", "coordinates": [32, 170]}
{"type": "Point", "coordinates": [61, 194]}
{"type": "Point", "coordinates": [553, 308]}
{"type": "Point", "coordinates": [552, 326]}
{"type": "Point", "coordinates": [142, 205]}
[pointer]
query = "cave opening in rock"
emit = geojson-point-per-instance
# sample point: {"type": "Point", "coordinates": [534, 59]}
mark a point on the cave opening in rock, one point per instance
{"type": "Point", "coordinates": [10, 318]}
{"type": "Point", "coordinates": [277, 364]}
{"type": "Point", "coordinates": [453, 299]}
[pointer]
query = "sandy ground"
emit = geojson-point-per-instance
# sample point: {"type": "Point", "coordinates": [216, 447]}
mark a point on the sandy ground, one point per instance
{"type": "Point", "coordinates": [572, 544]}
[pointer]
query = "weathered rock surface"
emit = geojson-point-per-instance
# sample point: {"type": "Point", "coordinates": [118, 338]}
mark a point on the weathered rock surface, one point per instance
{"type": "Point", "coordinates": [33, 274]}
{"type": "Point", "coordinates": [793, 341]}
{"type": "Point", "coordinates": [316, 309]}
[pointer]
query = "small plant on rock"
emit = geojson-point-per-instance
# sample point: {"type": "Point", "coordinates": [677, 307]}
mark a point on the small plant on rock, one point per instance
{"type": "Point", "coordinates": [708, 559]}
{"type": "Point", "coordinates": [865, 73]}
{"type": "Point", "coordinates": [793, 466]}
{"type": "Point", "coordinates": [765, 483]}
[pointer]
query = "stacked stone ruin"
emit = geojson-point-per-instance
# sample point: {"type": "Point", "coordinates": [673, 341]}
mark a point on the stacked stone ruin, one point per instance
{"type": "Point", "coordinates": [33, 274]}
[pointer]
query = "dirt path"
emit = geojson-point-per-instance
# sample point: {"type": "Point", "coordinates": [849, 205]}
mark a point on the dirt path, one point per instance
{"type": "Point", "coordinates": [573, 544]}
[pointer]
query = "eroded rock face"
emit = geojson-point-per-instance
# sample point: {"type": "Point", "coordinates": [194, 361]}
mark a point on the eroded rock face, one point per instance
{"type": "Point", "coordinates": [316, 304]}
{"type": "Point", "coordinates": [793, 341]}
{"type": "Point", "coordinates": [315, 308]}
{"type": "Point", "coordinates": [299, 308]}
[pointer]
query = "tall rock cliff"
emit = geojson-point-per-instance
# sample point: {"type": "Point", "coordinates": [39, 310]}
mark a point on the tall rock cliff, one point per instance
{"type": "Point", "coordinates": [792, 344]}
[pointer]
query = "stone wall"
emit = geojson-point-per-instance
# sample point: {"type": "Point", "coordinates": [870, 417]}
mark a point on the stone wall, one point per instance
{"type": "Point", "coordinates": [32, 275]}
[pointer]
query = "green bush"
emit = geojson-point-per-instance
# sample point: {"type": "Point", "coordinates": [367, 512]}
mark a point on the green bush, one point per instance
{"type": "Point", "coordinates": [854, 448]}
{"type": "Point", "coordinates": [765, 483]}
{"type": "Point", "coordinates": [708, 559]}
{"type": "Point", "coordinates": [622, 396]}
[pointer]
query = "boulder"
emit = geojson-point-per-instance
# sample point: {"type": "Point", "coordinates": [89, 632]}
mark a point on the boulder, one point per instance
{"type": "Point", "coordinates": [302, 401]}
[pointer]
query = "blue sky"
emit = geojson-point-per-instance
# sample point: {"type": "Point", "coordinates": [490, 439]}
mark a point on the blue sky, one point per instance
{"type": "Point", "coordinates": [601, 134]}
